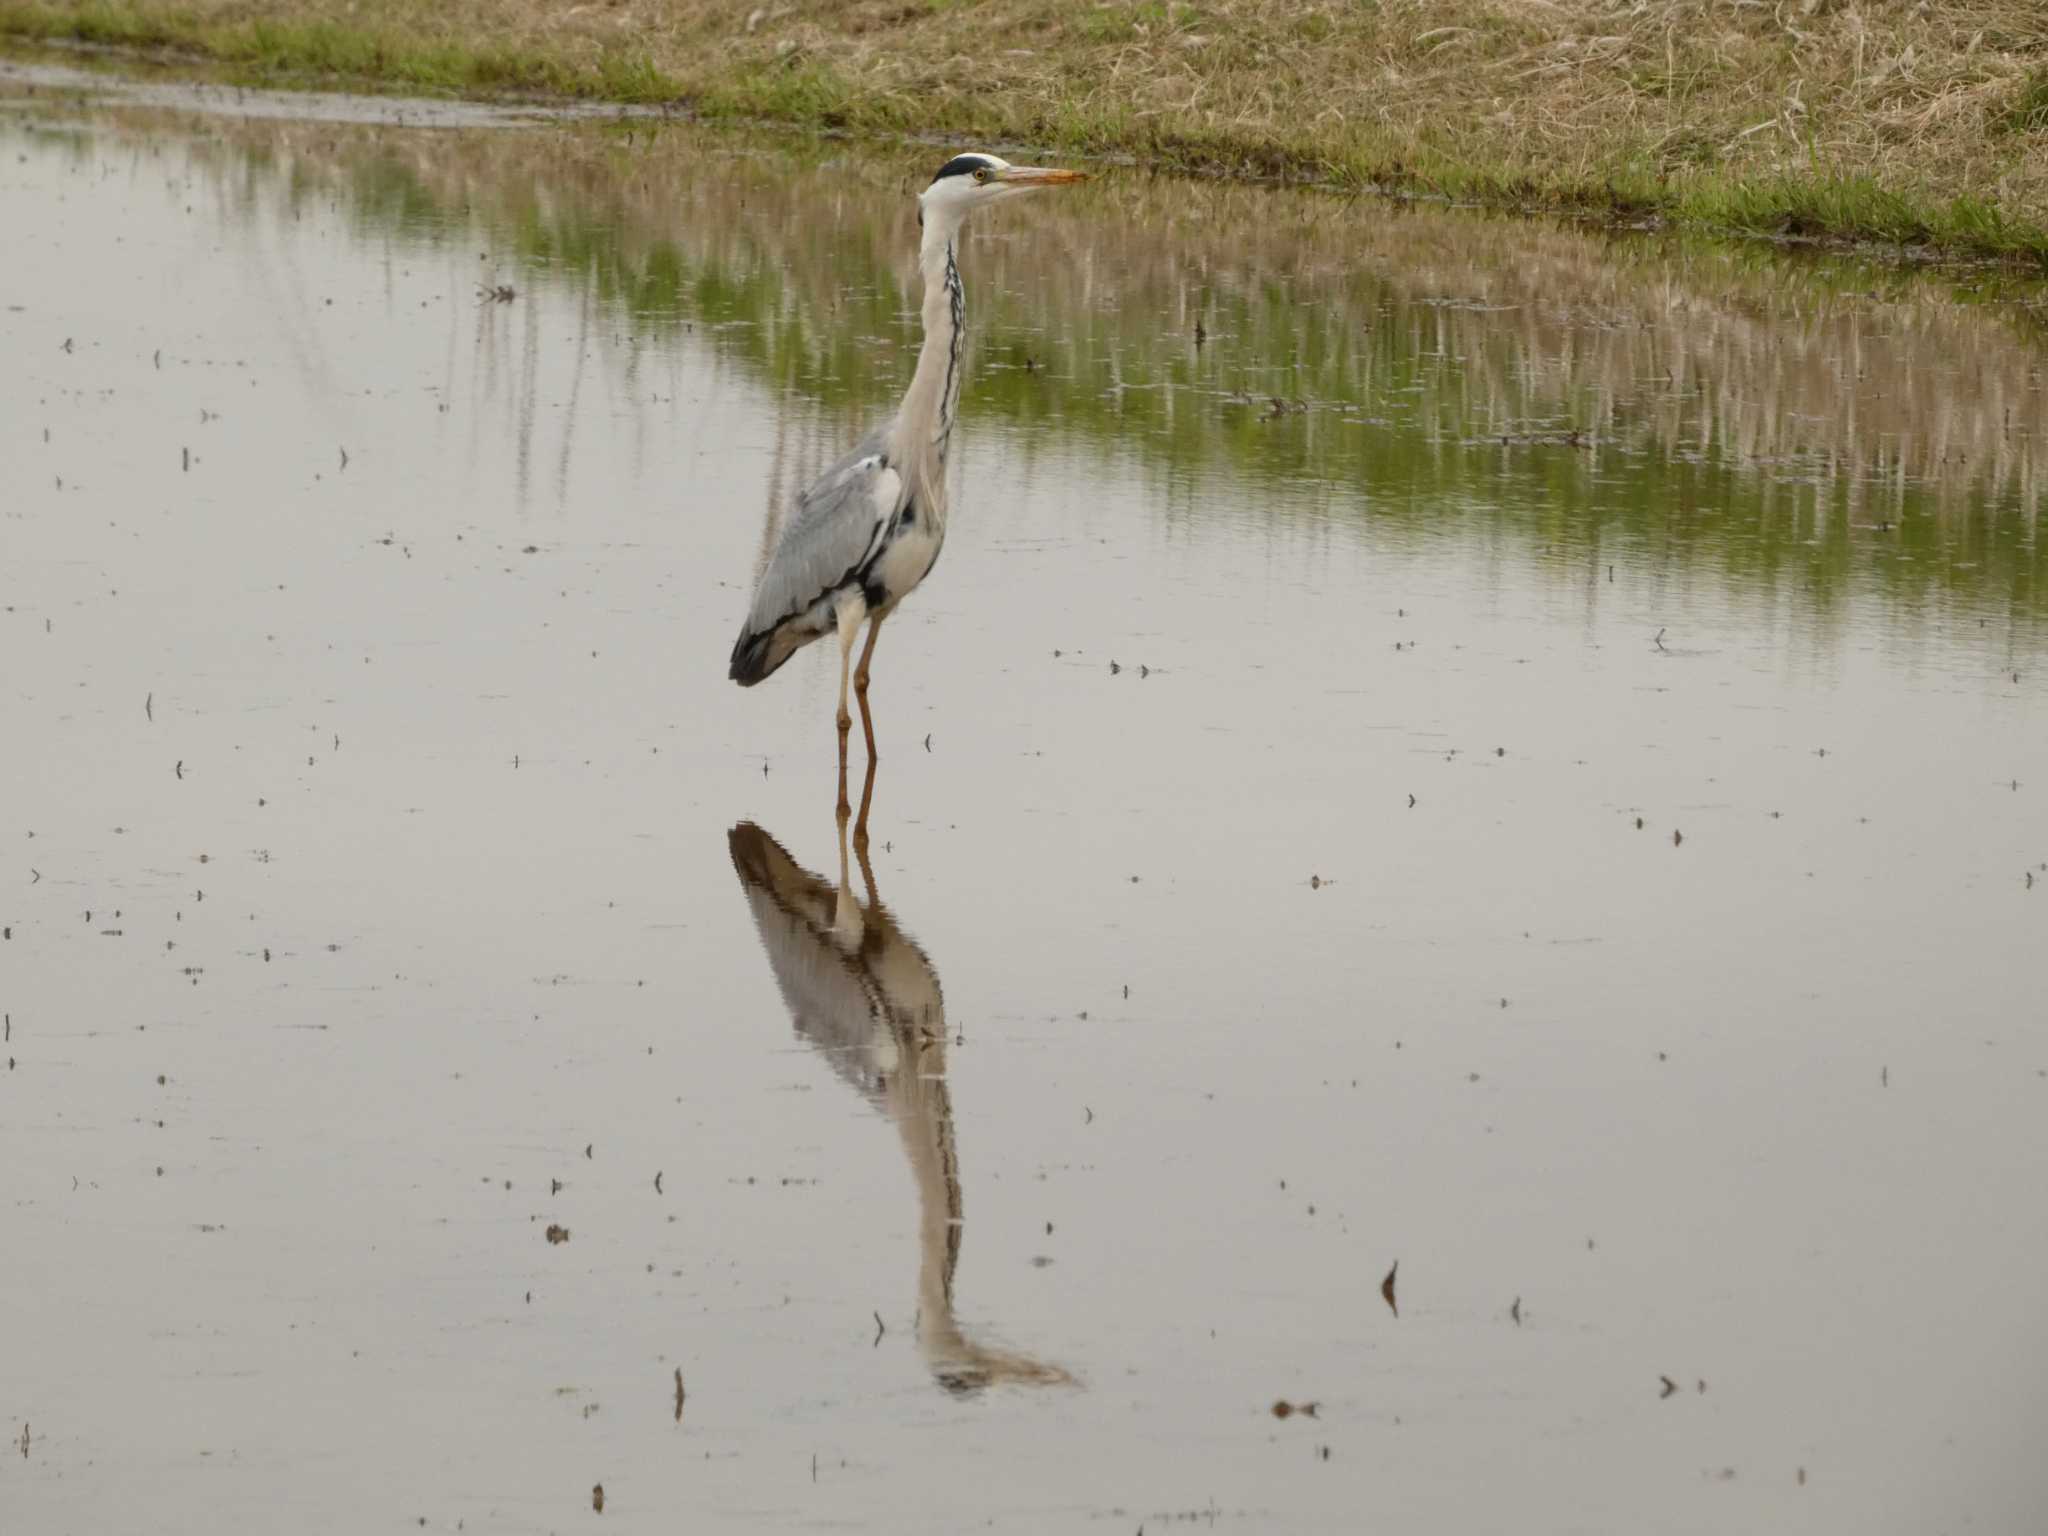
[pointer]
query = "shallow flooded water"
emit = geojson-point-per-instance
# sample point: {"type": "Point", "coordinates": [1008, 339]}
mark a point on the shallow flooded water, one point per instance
{"type": "Point", "coordinates": [1460, 840]}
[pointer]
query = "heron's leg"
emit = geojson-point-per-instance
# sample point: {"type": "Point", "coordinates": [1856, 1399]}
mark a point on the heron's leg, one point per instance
{"type": "Point", "coordinates": [860, 825]}
{"type": "Point", "coordinates": [845, 880]}
{"type": "Point", "coordinates": [860, 682]}
{"type": "Point", "coordinates": [850, 616]}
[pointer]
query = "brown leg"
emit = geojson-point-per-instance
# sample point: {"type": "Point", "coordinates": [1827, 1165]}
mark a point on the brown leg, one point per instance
{"type": "Point", "coordinates": [860, 683]}
{"type": "Point", "coordinates": [845, 881]}
{"type": "Point", "coordinates": [860, 829]}
{"type": "Point", "coordinates": [849, 627]}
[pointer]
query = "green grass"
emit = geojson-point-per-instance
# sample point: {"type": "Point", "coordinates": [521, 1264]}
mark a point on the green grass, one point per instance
{"type": "Point", "coordinates": [2029, 110]}
{"type": "Point", "coordinates": [264, 51]}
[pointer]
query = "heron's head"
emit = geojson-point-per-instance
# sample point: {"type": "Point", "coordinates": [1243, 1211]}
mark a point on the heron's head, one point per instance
{"type": "Point", "coordinates": [967, 182]}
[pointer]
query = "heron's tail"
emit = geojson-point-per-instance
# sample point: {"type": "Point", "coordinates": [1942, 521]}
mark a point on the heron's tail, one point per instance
{"type": "Point", "coordinates": [756, 656]}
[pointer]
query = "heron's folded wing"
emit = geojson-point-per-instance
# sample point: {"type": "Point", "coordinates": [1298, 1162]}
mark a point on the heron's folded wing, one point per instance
{"type": "Point", "coordinates": [838, 525]}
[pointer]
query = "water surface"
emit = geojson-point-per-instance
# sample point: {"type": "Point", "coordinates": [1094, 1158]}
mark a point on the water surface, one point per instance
{"type": "Point", "coordinates": [1434, 740]}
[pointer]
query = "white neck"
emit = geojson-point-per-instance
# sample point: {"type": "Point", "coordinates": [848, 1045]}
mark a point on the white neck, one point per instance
{"type": "Point", "coordinates": [924, 424]}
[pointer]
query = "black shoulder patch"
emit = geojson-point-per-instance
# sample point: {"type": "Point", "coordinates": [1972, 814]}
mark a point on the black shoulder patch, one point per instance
{"type": "Point", "coordinates": [962, 165]}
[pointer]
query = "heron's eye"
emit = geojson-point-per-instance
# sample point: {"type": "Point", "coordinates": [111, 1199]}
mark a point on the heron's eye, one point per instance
{"type": "Point", "coordinates": [982, 174]}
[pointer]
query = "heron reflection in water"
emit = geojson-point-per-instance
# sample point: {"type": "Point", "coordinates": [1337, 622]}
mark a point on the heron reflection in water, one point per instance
{"type": "Point", "coordinates": [861, 990]}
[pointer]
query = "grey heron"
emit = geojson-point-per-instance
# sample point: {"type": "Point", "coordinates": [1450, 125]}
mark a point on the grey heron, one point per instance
{"type": "Point", "coordinates": [861, 991]}
{"type": "Point", "coordinates": [868, 529]}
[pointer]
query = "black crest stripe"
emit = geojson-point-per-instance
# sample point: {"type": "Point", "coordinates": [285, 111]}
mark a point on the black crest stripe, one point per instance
{"type": "Point", "coordinates": [962, 165]}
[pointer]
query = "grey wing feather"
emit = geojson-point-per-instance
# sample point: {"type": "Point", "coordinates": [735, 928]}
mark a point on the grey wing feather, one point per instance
{"type": "Point", "coordinates": [836, 527]}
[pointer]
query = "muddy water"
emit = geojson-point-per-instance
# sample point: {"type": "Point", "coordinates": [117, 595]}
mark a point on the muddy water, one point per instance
{"type": "Point", "coordinates": [1434, 741]}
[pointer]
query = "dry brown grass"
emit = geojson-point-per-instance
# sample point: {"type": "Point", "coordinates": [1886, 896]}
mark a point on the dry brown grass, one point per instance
{"type": "Point", "coordinates": [1886, 118]}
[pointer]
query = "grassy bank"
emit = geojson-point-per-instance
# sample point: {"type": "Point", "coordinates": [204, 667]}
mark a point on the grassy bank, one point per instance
{"type": "Point", "coordinates": [1887, 120]}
